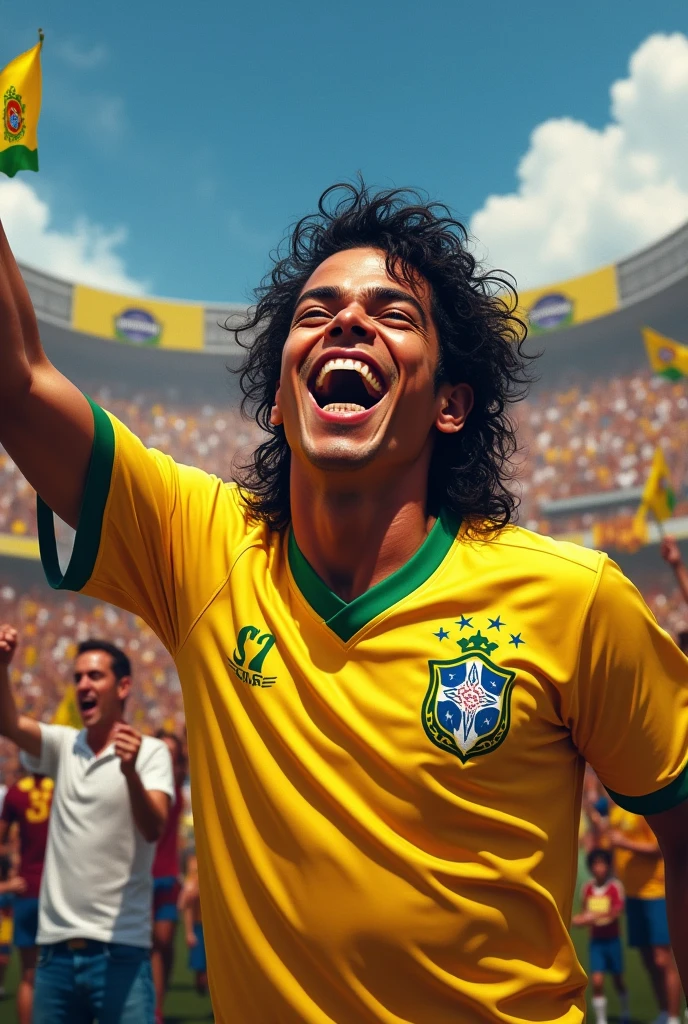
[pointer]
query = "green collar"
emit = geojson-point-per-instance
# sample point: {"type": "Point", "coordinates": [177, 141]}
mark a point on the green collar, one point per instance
{"type": "Point", "coordinates": [346, 619]}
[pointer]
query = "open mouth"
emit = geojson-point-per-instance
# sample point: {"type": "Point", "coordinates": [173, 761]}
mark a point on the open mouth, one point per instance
{"type": "Point", "coordinates": [87, 704]}
{"type": "Point", "coordinates": [347, 386]}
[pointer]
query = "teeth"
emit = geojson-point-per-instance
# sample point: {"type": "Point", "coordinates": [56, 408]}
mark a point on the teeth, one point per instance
{"type": "Point", "coordinates": [349, 364]}
{"type": "Point", "coordinates": [343, 407]}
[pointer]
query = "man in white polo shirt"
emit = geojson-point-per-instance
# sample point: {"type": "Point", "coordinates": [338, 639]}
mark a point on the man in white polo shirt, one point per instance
{"type": "Point", "coordinates": [111, 800]}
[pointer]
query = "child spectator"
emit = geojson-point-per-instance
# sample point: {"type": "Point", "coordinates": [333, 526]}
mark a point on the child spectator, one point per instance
{"type": "Point", "coordinates": [602, 900]}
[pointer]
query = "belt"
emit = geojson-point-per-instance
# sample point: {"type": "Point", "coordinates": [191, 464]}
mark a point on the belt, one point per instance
{"type": "Point", "coordinates": [84, 946]}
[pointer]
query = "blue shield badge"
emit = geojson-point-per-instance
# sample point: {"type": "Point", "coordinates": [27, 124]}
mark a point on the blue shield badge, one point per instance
{"type": "Point", "coordinates": [467, 707]}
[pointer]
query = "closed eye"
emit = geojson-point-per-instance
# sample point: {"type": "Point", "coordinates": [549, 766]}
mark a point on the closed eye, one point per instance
{"type": "Point", "coordinates": [394, 314]}
{"type": "Point", "coordinates": [313, 314]}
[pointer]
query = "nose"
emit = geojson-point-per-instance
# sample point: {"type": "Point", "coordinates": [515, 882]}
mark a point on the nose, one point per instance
{"type": "Point", "coordinates": [350, 325]}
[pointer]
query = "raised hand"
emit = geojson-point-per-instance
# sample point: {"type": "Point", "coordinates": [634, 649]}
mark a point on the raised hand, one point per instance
{"type": "Point", "coordinates": [127, 745]}
{"type": "Point", "coordinates": [8, 643]}
{"type": "Point", "coordinates": [669, 551]}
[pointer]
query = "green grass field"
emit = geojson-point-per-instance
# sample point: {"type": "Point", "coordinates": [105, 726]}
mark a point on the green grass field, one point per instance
{"type": "Point", "coordinates": [184, 1006]}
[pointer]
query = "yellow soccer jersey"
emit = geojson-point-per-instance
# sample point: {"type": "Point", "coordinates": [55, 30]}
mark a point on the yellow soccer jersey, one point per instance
{"type": "Point", "coordinates": [642, 874]}
{"type": "Point", "coordinates": [386, 792]}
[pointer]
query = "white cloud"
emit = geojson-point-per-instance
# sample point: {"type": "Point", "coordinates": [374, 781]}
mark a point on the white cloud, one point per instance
{"type": "Point", "coordinates": [586, 196]}
{"type": "Point", "coordinates": [87, 253]}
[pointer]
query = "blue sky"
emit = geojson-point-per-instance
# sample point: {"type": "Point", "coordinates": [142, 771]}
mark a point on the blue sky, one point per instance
{"type": "Point", "coordinates": [178, 141]}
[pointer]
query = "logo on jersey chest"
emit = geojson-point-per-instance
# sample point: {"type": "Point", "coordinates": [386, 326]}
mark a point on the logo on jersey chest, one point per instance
{"type": "Point", "coordinates": [253, 646]}
{"type": "Point", "coordinates": [467, 706]}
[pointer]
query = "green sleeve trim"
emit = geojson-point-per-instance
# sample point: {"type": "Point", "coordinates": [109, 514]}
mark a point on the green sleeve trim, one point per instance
{"type": "Point", "coordinates": [347, 619]}
{"type": "Point", "coordinates": [654, 803]}
{"type": "Point", "coordinates": [87, 540]}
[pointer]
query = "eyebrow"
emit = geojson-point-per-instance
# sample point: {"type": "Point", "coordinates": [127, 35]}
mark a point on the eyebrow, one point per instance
{"type": "Point", "coordinates": [378, 292]}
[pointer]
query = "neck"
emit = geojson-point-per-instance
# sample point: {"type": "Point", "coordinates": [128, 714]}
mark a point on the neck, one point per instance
{"type": "Point", "coordinates": [100, 736]}
{"type": "Point", "coordinates": [354, 538]}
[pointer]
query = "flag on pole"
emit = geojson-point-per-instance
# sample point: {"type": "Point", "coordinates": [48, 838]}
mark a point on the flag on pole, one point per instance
{"type": "Point", "coordinates": [67, 711]}
{"type": "Point", "coordinates": [20, 93]}
{"type": "Point", "coordinates": [667, 357]}
{"type": "Point", "coordinates": [658, 494]}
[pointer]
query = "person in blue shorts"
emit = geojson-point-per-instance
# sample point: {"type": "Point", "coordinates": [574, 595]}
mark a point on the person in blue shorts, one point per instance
{"type": "Point", "coordinates": [166, 887]}
{"type": "Point", "coordinates": [639, 864]}
{"type": "Point", "coordinates": [190, 907]}
{"type": "Point", "coordinates": [602, 903]}
{"type": "Point", "coordinates": [8, 888]}
{"type": "Point", "coordinates": [27, 807]}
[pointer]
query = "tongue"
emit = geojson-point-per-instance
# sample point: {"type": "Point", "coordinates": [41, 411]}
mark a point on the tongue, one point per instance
{"type": "Point", "coordinates": [346, 389]}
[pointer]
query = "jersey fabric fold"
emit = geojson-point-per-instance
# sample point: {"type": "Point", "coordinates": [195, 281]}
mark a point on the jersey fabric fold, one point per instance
{"type": "Point", "coordinates": [386, 792]}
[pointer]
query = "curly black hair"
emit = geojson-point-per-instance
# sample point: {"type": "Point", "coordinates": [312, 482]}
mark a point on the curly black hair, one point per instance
{"type": "Point", "coordinates": [480, 336]}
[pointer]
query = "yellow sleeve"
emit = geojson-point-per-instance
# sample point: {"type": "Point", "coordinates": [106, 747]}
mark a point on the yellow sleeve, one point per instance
{"type": "Point", "coordinates": [153, 537]}
{"type": "Point", "coordinates": [629, 713]}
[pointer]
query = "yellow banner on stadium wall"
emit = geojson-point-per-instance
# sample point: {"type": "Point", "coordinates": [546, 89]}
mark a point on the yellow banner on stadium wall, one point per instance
{"type": "Point", "coordinates": [137, 321]}
{"type": "Point", "coordinates": [570, 302]}
{"type": "Point", "coordinates": [16, 546]}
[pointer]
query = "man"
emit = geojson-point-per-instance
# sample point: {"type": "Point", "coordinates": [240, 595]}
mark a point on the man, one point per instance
{"type": "Point", "coordinates": [27, 804]}
{"type": "Point", "coordinates": [638, 864]}
{"type": "Point", "coordinates": [390, 690]}
{"type": "Point", "coordinates": [110, 806]}
{"type": "Point", "coordinates": [166, 888]}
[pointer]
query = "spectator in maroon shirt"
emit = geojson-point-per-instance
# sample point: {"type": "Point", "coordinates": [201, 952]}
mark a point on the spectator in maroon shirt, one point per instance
{"type": "Point", "coordinates": [27, 803]}
{"type": "Point", "coordinates": [166, 887]}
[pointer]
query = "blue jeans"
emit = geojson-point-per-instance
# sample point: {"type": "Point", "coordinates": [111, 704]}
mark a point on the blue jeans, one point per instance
{"type": "Point", "coordinates": [103, 981]}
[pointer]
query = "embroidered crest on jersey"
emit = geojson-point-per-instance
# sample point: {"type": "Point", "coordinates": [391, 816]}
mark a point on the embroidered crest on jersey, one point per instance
{"type": "Point", "coordinates": [467, 706]}
{"type": "Point", "coordinates": [252, 648]}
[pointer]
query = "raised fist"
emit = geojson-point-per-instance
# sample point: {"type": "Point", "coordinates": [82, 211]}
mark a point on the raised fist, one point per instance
{"type": "Point", "coordinates": [8, 643]}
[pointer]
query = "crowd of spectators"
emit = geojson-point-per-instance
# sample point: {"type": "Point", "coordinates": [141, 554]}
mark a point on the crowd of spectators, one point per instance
{"type": "Point", "coordinates": [588, 438]}
{"type": "Point", "coordinates": [599, 436]}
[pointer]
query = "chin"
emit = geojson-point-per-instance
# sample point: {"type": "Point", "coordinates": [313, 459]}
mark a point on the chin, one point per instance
{"type": "Point", "coordinates": [338, 454]}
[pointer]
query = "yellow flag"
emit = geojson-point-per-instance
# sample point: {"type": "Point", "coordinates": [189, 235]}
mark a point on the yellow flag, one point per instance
{"type": "Point", "coordinates": [20, 90]}
{"type": "Point", "coordinates": [658, 495]}
{"type": "Point", "coordinates": [67, 711]}
{"type": "Point", "coordinates": [667, 357]}
{"type": "Point", "coordinates": [640, 530]}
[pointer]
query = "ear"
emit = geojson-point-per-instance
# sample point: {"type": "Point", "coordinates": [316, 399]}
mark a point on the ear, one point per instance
{"type": "Point", "coordinates": [276, 412]}
{"type": "Point", "coordinates": [456, 402]}
{"type": "Point", "coordinates": [124, 687]}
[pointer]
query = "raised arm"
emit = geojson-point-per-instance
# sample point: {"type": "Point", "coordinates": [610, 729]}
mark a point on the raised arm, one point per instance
{"type": "Point", "coordinates": [23, 731]}
{"type": "Point", "coordinates": [671, 554]}
{"type": "Point", "coordinates": [46, 424]}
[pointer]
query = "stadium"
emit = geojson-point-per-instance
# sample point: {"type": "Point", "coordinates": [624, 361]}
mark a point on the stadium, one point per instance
{"type": "Point", "coordinates": [588, 434]}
